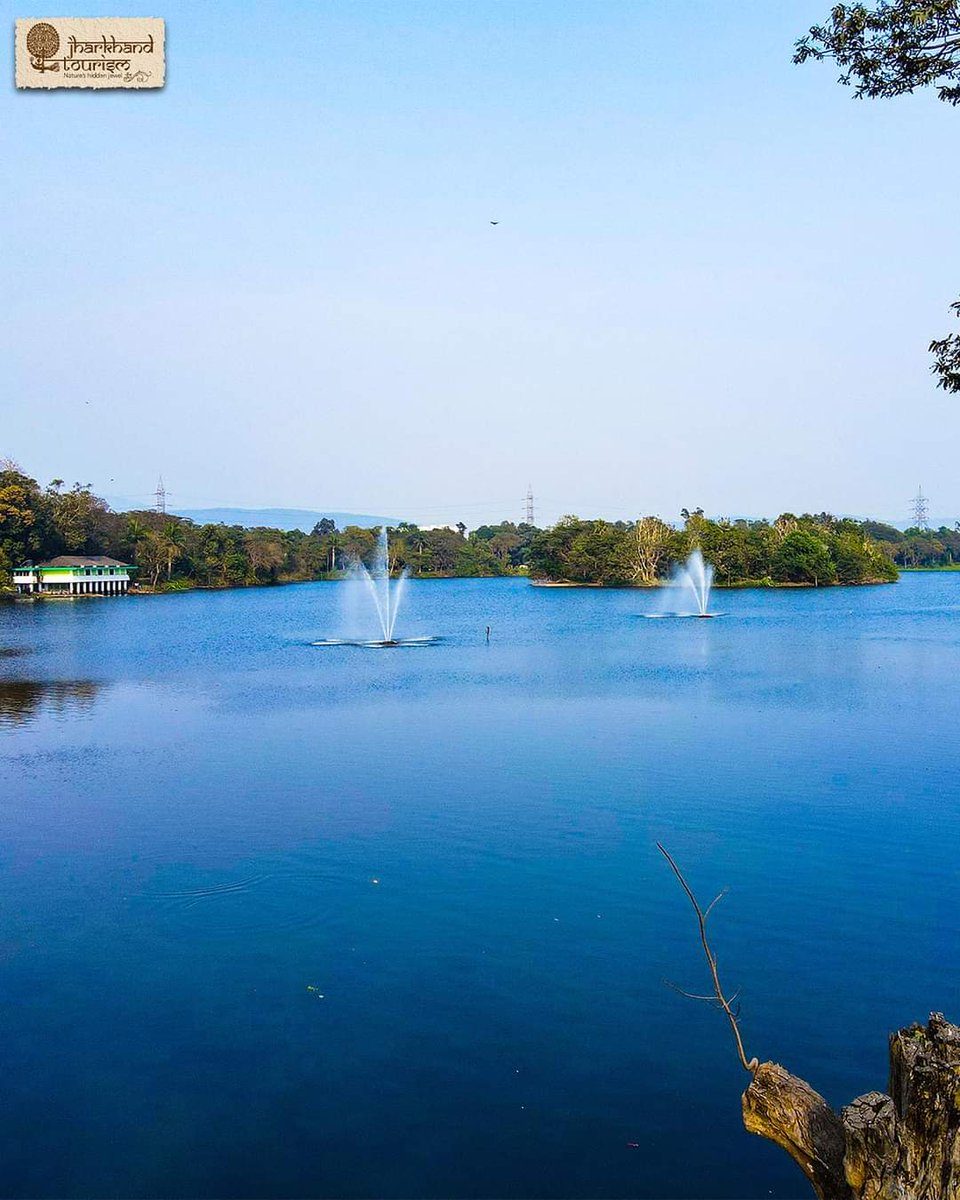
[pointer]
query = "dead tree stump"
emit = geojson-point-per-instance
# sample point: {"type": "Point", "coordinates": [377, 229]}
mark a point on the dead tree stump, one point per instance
{"type": "Point", "coordinates": [901, 1146]}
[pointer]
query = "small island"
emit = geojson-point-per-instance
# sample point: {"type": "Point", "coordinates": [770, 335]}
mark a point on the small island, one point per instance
{"type": "Point", "coordinates": [791, 551]}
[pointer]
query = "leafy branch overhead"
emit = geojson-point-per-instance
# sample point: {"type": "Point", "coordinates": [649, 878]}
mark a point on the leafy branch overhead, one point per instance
{"type": "Point", "coordinates": [947, 358]}
{"type": "Point", "coordinates": [891, 50]}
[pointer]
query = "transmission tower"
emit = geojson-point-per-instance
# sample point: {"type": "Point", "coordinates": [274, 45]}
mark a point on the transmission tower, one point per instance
{"type": "Point", "coordinates": [919, 504]}
{"type": "Point", "coordinates": [529, 505]}
{"type": "Point", "coordinates": [161, 495]}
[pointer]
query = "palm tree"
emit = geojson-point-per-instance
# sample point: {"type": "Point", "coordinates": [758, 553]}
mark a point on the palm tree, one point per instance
{"type": "Point", "coordinates": [136, 532]}
{"type": "Point", "coordinates": [336, 542]}
{"type": "Point", "coordinates": [173, 538]}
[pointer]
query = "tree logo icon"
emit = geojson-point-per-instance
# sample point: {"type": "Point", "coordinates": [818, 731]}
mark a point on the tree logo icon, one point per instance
{"type": "Point", "coordinates": [43, 42]}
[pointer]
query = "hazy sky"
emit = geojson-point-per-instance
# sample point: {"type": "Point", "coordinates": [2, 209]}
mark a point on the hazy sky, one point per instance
{"type": "Point", "coordinates": [276, 281]}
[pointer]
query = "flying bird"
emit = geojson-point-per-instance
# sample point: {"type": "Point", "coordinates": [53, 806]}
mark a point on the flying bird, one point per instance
{"type": "Point", "coordinates": [494, 222]}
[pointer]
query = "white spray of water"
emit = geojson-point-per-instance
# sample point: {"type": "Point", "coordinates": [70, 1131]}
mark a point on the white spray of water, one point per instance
{"type": "Point", "coordinates": [386, 596]}
{"type": "Point", "coordinates": [694, 578]}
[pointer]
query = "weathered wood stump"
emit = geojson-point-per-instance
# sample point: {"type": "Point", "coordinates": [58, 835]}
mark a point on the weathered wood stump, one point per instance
{"type": "Point", "coordinates": [901, 1146]}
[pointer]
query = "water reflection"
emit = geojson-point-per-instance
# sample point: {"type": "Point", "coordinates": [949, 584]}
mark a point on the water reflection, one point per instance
{"type": "Point", "coordinates": [24, 700]}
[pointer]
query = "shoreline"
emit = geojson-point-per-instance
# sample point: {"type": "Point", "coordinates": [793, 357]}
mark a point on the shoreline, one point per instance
{"type": "Point", "coordinates": [749, 584]}
{"type": "Point", "coordinates": [740, 585]}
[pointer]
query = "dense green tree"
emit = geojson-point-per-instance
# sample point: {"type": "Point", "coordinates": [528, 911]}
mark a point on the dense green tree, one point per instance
{"type": "Point", "coordinates": [136, 532]}
{"type": "Point", "coordinates": [601, 552]}
{"type": "Point", "coordinates": [502, 546]}
{"type": "Point", "coordinates": [550, 550]}
{"type": "Point", "coordinates": [802, 557]}
{"type": "Point", "coordinates": [264, 553]}
{"type": "Point", "coordinates": [509, 543]}
{"type": "Point", "coordinates": [358, 544]}
{"type": "Point", "coordinates": [584, 552]}
{"type": "Point", "coordinates": [880, 532]}
{"type": "Point", "coordinates": [475, 557]}
{"type": "Point", "coordinates": [853, 557]}
{"type": "Point", "coordinates": [26, 527]}
{"type": "Point", "coordinates": [444, 546]}
{"type": "Point", "coordinates": [78, 517]}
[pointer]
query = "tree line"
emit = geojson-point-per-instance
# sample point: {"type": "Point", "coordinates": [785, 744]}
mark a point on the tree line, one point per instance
{"type": "Point", "coordinates": [815, 550]}
{"type": "Point", "coordinates": [917, 547]}
{"type": "Point", "coordinates": [170, 552]}
{"type": "Point", "coordinates": [38, 523]}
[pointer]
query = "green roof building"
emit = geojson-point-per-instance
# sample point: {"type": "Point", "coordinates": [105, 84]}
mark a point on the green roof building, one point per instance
{"type": "Point", "coordinates": [74, 575]}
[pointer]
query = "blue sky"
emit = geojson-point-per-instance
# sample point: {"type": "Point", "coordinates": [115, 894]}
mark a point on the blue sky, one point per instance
{"type": "Point", "coordinates": [276, 281]}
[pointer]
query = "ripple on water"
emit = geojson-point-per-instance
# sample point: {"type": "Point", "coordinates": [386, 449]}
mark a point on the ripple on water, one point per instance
{"type": "Point", "coordinates": [286, 899]}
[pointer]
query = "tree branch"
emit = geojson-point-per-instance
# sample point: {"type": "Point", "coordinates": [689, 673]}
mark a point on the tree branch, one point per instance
{"type": "Point", "coordinates": [752, 1064]}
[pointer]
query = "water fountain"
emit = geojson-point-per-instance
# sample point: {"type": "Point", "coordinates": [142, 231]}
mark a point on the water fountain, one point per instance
{"type": "Point", "coordinates": [695, 577]}
{"type": "Point", "coordinates": [386, 598]}
{"type": "Point", "coordinates": [386, 595]}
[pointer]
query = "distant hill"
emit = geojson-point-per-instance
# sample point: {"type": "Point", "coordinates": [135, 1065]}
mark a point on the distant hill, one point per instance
{"type": "Point", "coordinates": [932, 523]}
{"type": "Point", "coordinates": [279, 518]}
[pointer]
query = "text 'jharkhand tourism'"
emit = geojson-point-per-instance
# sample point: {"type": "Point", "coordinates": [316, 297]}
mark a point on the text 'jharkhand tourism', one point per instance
{"type": "Point", "coordinates": [87, 52]}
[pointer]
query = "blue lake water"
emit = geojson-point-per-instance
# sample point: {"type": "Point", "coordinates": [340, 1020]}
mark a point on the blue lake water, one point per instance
{"type": "Point", "coordinates": [204, 818]}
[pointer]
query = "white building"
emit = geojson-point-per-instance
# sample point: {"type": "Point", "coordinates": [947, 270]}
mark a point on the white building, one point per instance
{"type": "Point", "coordinates": [74, 575]}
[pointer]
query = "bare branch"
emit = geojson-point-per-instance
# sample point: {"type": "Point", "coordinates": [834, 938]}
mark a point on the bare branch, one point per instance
{"type": "Point", "coordinates": [715, 900]}
{"type": "Point", "coordinates": [689, 995]}
{"type": "Point", "coordinates": [752, 1064]}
